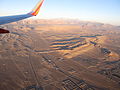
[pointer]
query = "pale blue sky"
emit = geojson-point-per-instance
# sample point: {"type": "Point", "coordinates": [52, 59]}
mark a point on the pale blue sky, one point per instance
{"type": "Point", "coordinates": [106, 11]}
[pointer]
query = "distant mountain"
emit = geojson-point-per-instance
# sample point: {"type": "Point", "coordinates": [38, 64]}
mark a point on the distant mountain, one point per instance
{"type": "Point", "coordinates": [60, 54]}
{"type": "Point", "coordinates": [83, 24]}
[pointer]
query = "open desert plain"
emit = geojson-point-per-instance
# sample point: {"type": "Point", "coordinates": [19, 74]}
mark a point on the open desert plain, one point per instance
{"type": "Point", "coordinates": [60, 54]}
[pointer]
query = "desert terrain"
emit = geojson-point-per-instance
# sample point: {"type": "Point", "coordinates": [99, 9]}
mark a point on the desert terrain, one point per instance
{"type": "Point", "coordinates": [60, 54]}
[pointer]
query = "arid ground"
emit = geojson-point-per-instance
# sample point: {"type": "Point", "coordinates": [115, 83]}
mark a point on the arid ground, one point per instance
{"type": "Point", "coordinates": [60, 55]}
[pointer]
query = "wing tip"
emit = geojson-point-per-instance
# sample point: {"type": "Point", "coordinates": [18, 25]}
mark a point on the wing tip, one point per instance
{"type": "Point", "coordinates": [3, 31]}
{"type": "Point", "coordinates": [36, 10]}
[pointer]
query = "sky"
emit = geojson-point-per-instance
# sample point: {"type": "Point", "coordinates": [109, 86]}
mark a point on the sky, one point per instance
{"type": "Point", "coordinates": [105, 11]}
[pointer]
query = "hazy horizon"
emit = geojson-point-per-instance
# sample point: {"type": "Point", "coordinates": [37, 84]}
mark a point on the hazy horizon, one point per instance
{"type": "Point", "coordinates": [56, 55]}
{"type": "Point", "coordinates": [104, 11]}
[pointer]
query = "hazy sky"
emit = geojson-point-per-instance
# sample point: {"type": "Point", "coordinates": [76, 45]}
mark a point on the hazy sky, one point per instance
{"type": "Point", "coordinates": [106, 11]}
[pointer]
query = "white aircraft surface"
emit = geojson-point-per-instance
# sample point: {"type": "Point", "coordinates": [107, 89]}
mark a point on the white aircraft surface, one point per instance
{"type": "Point", "coordinates": [14, 18]}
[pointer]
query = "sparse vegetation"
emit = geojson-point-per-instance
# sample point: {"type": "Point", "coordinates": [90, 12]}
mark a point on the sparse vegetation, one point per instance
{"type": "Point", "coordinates": [60, 55]}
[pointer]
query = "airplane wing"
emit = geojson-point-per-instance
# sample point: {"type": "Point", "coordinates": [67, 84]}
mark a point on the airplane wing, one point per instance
{"type": "Point", "coordinates": [9, 19]}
